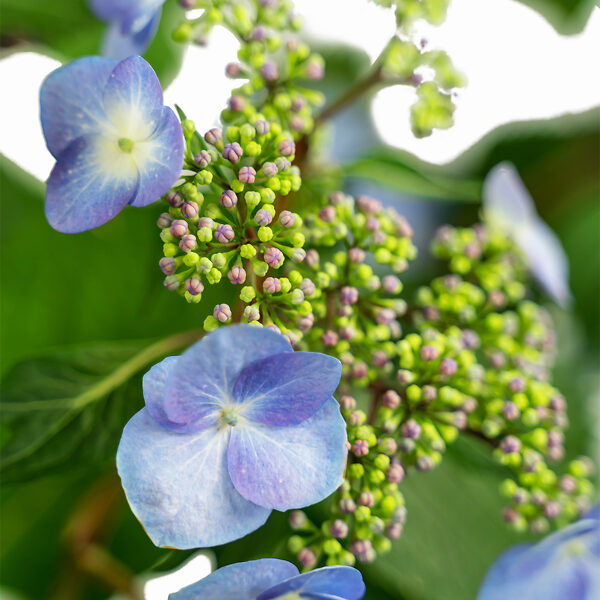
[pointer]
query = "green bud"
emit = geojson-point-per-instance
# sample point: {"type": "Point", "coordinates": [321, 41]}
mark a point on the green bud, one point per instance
{"type": "Point", "coordinates": [237, 186]}
{"type": "Point", "coordinates": [331, 547]}
{"type": "Point", "coordinates": [260, 267]}
{"type": "Point", "coordinates": [252, 149]}
{"type": "Point", "coordinates": [305, 308]}
{"type": "Point", "coordinates": [170, 249]}
{"type": "Point", "coordinates": [203, 177]}
{"type": "Point", "coordinates": [356, 470]}
{"type": "Point", "coordinates": [265, 234]}
{"type": "Point", "coordinates": [362, 513]}
{"type": "Point", "coordinates": [247, 293]}
{"type": "Point", "coordinates": [267, 195]}
{"type": "Point", "coordinates": [252, 199]}
{"type": "Point", "coordinates": [213, 276]}
{"type": "Point", "coordinates": [205, 234]}
{"type": "Point", "coordinates": [210, 323]}
{"type": "Point", "coordinates": [382, 462]}
{"type": "Point", "coordinates": [191, 259]}
{"type": "Point", "coordinates": [297, 240]}
{"type": "Point", "coordinates": [295, 544]}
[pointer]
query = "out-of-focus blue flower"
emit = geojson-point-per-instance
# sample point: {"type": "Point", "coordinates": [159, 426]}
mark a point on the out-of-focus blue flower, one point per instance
{"type": "Point", "coordinates": [563, 566]}
{"type": "Point", "coordinates": [239, 424]}
{"type": "Point", "coordinates": [131, 25]}
{"type": "Point", "coordinates": [270, 578]}
{"type": "Point", "coordinates": [508, 206]}
{"type": "Point", "coordinates": [113, 140]}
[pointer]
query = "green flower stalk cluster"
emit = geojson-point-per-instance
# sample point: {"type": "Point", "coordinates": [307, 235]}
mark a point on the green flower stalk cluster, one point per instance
{"type": "Point", "coordinates": [409, 11]}
{"type": "Point", "coordinates": [271, 60]}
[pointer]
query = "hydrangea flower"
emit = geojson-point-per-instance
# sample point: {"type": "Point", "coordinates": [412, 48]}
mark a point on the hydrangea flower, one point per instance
{"type": "Point", "coordinates": [508, 206]}
{"type": "Point", "coordinates": [236, 426]}
{"type": "Point", "coordinates": [563, 566]}
{"type": "Point", "coordinates": [270, 578]}
{"type": "Point", "coordinates": [131, 25]}
{"type": "Point", "coordinates": [113, 140]}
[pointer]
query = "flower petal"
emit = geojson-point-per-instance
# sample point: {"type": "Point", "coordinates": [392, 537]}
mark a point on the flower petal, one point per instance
{"type": "Point", "coordinates": [289, 467]}
{"type": "Point", "coordinates": [327, 582]}
{"type": "Point", "coordinates": [547, 260]}
{"type": "Point", "coordinates": [287, 389]}
{"type": "Point", "coordinates": [205, 374]}
{"type": "Point", "coordinates": [90, 184]}
{"type": "Point", "coordinates": [178, 486]}
{"type": "Point", "coordinates": [71, 101]}
{"type": "Point", "coordinates": [240, 581]}
{"type": "Point", "coordinates": [133, 99]}
{"type": "Point", "coordinates": [159, 159]}
{"type": "Point", "coordinates": [121, 41]}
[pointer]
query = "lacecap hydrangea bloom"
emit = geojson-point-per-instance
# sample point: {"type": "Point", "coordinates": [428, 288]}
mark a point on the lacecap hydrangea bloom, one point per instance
{"type": "Point", "coordinates": [508, 207]}
{"type": "Point", "coordinates": [113, 140]}
{"type": "Point", "coordinates": [236, 426]}
{"type": "Point", "coordinates": [131, 25]}
{"type": "Point", "coordinates": [563, 566]}
{"type": "Point", "coordinates": [270, 578]}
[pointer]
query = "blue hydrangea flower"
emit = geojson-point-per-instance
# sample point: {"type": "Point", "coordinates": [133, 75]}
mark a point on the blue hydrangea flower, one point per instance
{"type": "Point", "coordinates": [113, 140]}
{"type": "Point", "coordinates": [270, 578]}
{"type": "Point", "coordinates": [131, 25]}
{"type": "Point", "coordinates": [508, 206]}
{"type": "Point", "coordinates": [236, 426]}
{"type": "Point", "coordinates": [563, 566]}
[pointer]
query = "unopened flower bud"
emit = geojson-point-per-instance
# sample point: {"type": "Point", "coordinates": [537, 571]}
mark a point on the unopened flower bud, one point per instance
{"type": "Point", "coordinates": [286, 147]}
{"type": "Point", "coordinates": [269, 71]}
{"type": "Point", "coordinates": [175, 199]}
{"type": "Point", "coordinates": [251, 313]}
{"type": "Point", "coordinates": [213, 136]}
{"type": "Point", "coordinates": [237, 275]}
{"type": "Point", "coordinates": [224, 233]}
{"type": "Point", "coordinates": [247, 175]}
{"type": "Point", "coordinates": [411, 429]}
{"type": "Point", "coordinates": [349, 295]}
{"type": "Point", "coordinates": [233, 152]}
{"type": "Point", "coordinates": [306, 322]}
{"type": "Point", "coordinates": [222, 313]}
{"type": "Point", "coordinates": [391, 399]}
{"type": "Point", "coordinates": [188, 242]}
{"type": "Point", "coordinates": [194, 286]}
{"type": "Point", "coordinates": [307, 558]}
{"type": "Point", "coordinates": [164, 221]}
{"type": "Point", "coordinates": [179, 228]}
{"type": "Point", "coordinates": [428, 353]}
{"type": "Point", "coordinates": [272, 285]}
{"type": "Point", "coordinates": [510, 444]}
{"type": "Point", "coordinates": [263, 217]}
{"type": "Point", "coordinates": [360, 448]}
{"type": "Point", "coordinates": [448, 367]}
{"type": "Point", "coordinates": [237, 104]}
{"type": "Point", "coordinates": [167, 265]}
{"type": "Point", "coordinates": [297, 519]}
{"type": "Point", "coordinates": [228, 199]}
{"type": "Point", "coordinates": [395, 473]}
{"type": "Point", "coordinates": [273, 257]}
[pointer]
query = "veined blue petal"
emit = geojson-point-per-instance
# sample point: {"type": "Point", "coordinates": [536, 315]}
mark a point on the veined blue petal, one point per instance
{"type": "Point", "coordinates": [120, 41]}
{"type": "Point", "coordinates": [159, 159]}
{"type": "Point", "coordinates": [179, 488]}
{"type": "Point", "coordinates": [123, 10]}
{"type": "Point", "coordinates": [71, 102]}
{"type": "Point", "coordinates": [133, 99]}
{"type": "Point", "coordinates": [288, 388]}
{"type": "Point", "coordinates": [546, 259]}
{"type": "Point", "coordinates": [205, 374]}
{"type": "Point", "coordinates": [241, 581]}
{"type": "Point", "coordinates": [91, 182]}
{"type": "Point", "coordinates": [293, 466]}
{"type": "Point", "coordinates": [327, 582]}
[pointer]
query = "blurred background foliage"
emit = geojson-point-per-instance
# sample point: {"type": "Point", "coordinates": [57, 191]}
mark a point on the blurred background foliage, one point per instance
{"type": "Point", "coordinates": [75, 307]}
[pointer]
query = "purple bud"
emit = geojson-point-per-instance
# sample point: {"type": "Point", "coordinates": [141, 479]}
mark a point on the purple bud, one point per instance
{"type": "Point", "coordinates": [222, 313]}
{"type": "Point", "coordinates": [263, 217]}
{"type": "Point", "coordinates": [552, 509]}
{"type": "Point", "coordinates": [287, 219]}
{"type": "Point", "coordinates": [187, 4]}
{"type": "Point", "coordinates": [286, 148]}
{"type": "Point", "coordinates": [391, 399]}
{"type": "Point", "coordinates": [360, 448]}
{"type": "Point", "coordinates": [237, 104]}
{"type": "Point", "coordinates": [298, 103]}
{"type": "Point", "coordinates": [272, 285]}
{"type": "Point", "coordinates": [228, 199]}
{"type": "Point", "coordinates": [349, 295]}
{"type": "Point", "coordinates": [307, 558]}
{"type": "Point", "coordinates": [167, 265]}
{"type": "Point", "coordinates": [448, 367]}
{"type": "Point", "coordinates": [510, 515]}
{"type": "Point", "coordinates": [567, 484]}
{"type": "Point", "coordinates": [403, 228]}
{"type": "Point", "coordinates": [329, 338]}
{"type": "Point", "coordinates": [179, 228]}
{"type": "Point", "coordinates": [469, 405]}
{"type": "Point", "coordinates": [273, 257]}
{"type": "Point", "coordinates": [175, 199]}
{"type": "Point", "coordinates": [247, 175]}
{"type": "Point", "coordinates": [282, 164]}
{"type": "Point", "coordinates": [363, 550]}
{"type": "Point", "coordinates": [372, 224]}
{"type": "Point", "coordinates": [391, 284]}
{"type": "Point", "coordinates": [356, 255]}
{"type": "Point", "coordinates": [251, 313]}
{"type": "Point", "coordinates": [368, 205]}
{"type": "Point", "coordinates": [269, 71]}
{"type": "Point", "coordinates": [269, 169]}
{"type": "Point", "coordinates": [259, 33]}
{"type": "Point", "coordinates": [327, 214]}
{"type": "Point", "coordinates": [262, 127]}
{"type": "Point", "coordinates": [190, 210]}
{"type": "Point", "coordinates": [203, 158]}
{"type": "Point", "coordinates": [296, 123]}
{"type": "Point", "coordinates": [347, 506]}
{"type": "Point", "coordinates": [428, 353]}
{"type": "Point", "coordinates": [385, 316]}
{"type": "Point", "coordinates": [297, 519]}
{"type": "Point", "coordinates": [164, 221]}
{"type": "Point", "coordinates": [237, 275]}
{"type": "Point", "coordinates": [393, 531]}
{"type": "Point", "coordinates": [213, 136]}
{"type": "Point", "coordinates": [305, 323]}
{"type": "Point", "coordinates": [395, 474]}
{"type": "Point", "coordinates": [171, 282]}
{"type": "Point", "coordinates": [429, 393]}
{"type": "Point", "coordinates": [366, 499]}
{"type": "Point", "coordinates": [424, 463]}
{"type": "Point", "coordinates": [188, 242]}
{"type": "Point", "coordinates": [224, 233]}
{"type": "Point", "coordinates": [194, 286]}
{"type": "Point", "coordinates": [312, 258]}
{"type": "Point", "coordinates": [359, 370]}
{"type": "Point", "coordinates": [232, 69]}
{"type": "Point", "coordinates": [555, 438]}
{"type": "Point", "coordinates": [557, 403]}
{"type": "Point", "coordinates": [380, 358]}
{"type": "Point", "coordinates": [339, 529]}
{"type": "Point", "coordinates": [206, 222]}
{"type": "Point", "coordinates": [232, 152]}
{"type": "Point", "coordinates": [411, 430]}
{"type": "Point", "coordinates": [347, 402]}
{"type": "Point", "coordinates": [314, 70]}
{"type": "Point", "coordinates": [510, 444]}
{"type": "Point", "coordinates": [307, 286]}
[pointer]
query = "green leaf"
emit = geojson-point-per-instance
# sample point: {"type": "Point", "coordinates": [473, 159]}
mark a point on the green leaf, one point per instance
{"type": "Point", "coordinates": [566, 16]}
{"type": "Point", "coordinates": [404, 172]}
{"type": "Point", "coordinates": [67, 30]}
{"type": "Point", "coordinates": [71, 405]}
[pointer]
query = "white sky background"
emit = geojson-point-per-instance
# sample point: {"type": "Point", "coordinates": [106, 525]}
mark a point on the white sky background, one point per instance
{"type": "Point", "coordinates": [518, 68]}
